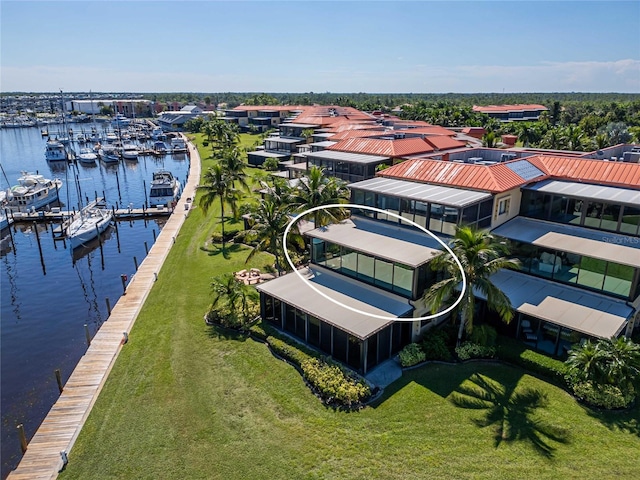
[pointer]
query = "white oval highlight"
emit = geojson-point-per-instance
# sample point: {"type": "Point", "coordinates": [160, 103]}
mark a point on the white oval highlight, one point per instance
{"type": "Point", "coordinates": [402, 219]}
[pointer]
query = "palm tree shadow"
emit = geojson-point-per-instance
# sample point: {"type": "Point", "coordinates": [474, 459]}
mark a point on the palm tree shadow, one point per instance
{"type": "Point", "coordinates": [625, 421]}
{"type": "Point", "coordinates": [213, 250]}
{"type": "Point", "coordinates": [511, 413]}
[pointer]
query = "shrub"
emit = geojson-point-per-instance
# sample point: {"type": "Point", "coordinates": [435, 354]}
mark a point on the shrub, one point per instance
{"type": "Point", "coordinates": [484, 335]}
{"type": "Point", "coordinates": [411, 355]}
{"type": "Point", "coordinates": [472, 350]}
{"type": "Point", "coordinates": [288, 352]}
{"type": "Point", "coordinates": [513, 351]}
{"type": "Point", "coordinates": [271, 164]}
{"type": "Point", "coordinates": [434, 345]}
{"type": "Point", "coordinates": [333, 384]}
{"type": "Point", "coordinates": [603, 396]}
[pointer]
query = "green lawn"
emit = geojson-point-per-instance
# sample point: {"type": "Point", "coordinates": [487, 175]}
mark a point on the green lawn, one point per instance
{"type": "Point", "coordinates": [187, 401]}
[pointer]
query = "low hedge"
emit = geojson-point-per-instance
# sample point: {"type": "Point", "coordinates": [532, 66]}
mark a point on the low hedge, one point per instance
{"type": "Point", "coordinates": [469, 350]}
{"type": "Point", "coordinates": [512, 351]}
{"type": "Point", "coordinates": [603, 396]}
{"type": "Point", "coordinates": [333, 384]}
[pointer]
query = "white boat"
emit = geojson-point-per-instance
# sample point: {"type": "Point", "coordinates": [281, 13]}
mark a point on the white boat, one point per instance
{"type": "Point", "coordinates": [80, 138]}
{"type": "Point", "coordinates": [32, 192]}
{"type": "Point", "coordinates": [54, 151]}
{"type": "Point", "coordinates": [165, 188]}
{"type": "Point", "coordinates": [90, 222]}
{"type": "Point", "coordinates": [87, 155]}
{"type": "Point", "coordinates": [159, 147]}
{"type": "Point", "coordinates": [109, 154]}
{"type": "Point", "coordinates": [157, 133]}
{"type": "Point", "coordinates": [111, 137]}
{"type": "Point", "coordinates": [130, 151]}
{"type": "Point", "coordinates": [120, 121]}
{"type": "Point", "coordinates": [178, 145]}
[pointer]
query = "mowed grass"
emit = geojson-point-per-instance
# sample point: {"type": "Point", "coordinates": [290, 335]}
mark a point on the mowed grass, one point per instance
{"type": "Point", "coordinates": [186, 401]}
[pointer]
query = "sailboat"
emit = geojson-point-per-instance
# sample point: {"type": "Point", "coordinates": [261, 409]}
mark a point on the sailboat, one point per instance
{"type": "Point", "coordinates": [88, 223]}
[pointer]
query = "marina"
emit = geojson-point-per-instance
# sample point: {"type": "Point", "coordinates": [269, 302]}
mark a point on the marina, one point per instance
{"type": "Point", "coordinates": [54, 294]}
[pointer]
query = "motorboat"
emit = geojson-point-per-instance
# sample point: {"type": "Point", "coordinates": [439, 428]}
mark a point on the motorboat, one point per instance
{"type": "Point", "coordinates": [178, 145]}
{"type": "Point", "coordinates": [109, 154]}
{"type": "Point", "coordinates": [80, 138]}
{"type": "Point", "coordinates": [54, 151]}
{"type": "Point", "coordinates": [157, 133]}
{"type": "Point", "coordinates": [159, 147]}
{"type": "Point", "coordinates": [90, 222]}
{"type": "Point", "coordinates": [120, 121]}
{"type": "Point", "coordinates": [111, 137]}
{"type": "Point", "coordinates": [130, 151]}
{"type": "Point", "coordinates": [165, 188]}
{"type": "Point", "coordinates": [87, 155]}
{"type": "Point", "coordinates": [32, 192]}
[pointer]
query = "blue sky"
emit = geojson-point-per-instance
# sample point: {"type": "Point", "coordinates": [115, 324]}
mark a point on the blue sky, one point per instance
{"type": "Point", "coordinates": [304, 46]}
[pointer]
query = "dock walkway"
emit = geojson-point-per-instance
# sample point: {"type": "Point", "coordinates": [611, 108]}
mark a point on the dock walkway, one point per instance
{"type": "Point", "coordinates": [61, 427]}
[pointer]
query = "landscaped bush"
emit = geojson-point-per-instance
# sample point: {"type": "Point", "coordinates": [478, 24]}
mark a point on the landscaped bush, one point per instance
{"type": "Point", "coordinates": [513, 351]}
{"type": "Point", "coordinates": [484, 335]}
{"type": "Point", "coordinates": [434, 345]}
{"type": "Point", "coordinates": [411, 355]}
{"type": "Point", "coordinates": [333, 384]}
{"type": "Point", "coordinates": [603, 396]}
{"type": "Point", "coordinates": [288, 352]}
{"type": "Point", "coordinates": [470, 350]}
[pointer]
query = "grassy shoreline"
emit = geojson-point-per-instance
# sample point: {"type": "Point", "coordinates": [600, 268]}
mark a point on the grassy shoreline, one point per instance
{"type": "Point", "coordinates": [185, 400]}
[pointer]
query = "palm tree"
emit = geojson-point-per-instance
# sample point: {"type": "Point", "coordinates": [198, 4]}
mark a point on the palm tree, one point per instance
{"type": "Point", "coordinates": [316, 190]}
{"type": "Point", "coordinates": [489, 140]}
{"type": "Point", "coordinates": [269, 220]}
{"type": "Point", "coordinates": [480, 258]}
{"type": "Point", "coordinates": [585, 362]}
{"type": "Point", "coordinates": [229, 293]}
{"type": "Point", "coordinates": [233, 164]}
{"type": "Point", "coordinates": [218, 184]}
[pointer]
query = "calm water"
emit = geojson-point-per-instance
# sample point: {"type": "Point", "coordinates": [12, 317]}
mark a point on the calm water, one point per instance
{"type": "Point", "coordinates": [45, 308]}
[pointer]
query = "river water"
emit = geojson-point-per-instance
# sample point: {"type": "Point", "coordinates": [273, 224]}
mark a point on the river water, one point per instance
{"type": "Point", "coordinates": [46, 305]}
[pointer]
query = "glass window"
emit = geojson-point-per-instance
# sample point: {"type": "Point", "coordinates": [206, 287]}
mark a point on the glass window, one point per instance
{"type": "Point", "coordinates": [332, 256]}
{"type": "Point", "coordinates": [593, 214]}
{"type": "Point", "coordinates": [592, 272]}
{"type": "Point", "coordinates": [384, 344]}
{"type": "Point", "coordinates": [290, 319]}
{"type": "Point", "coordinates": [301, 324]}
{"type": "Point", "coordinates": [618, 279]}
{"type": "Point", "coordinates": [384, 274]}
{"type": "Point", "coordinates": [355, 347]}
{"type": "Point", "coordinates": [630, 220]}
{"type": "Point", "coordinates": [435, 217]}
{"type": "Point", "coordinates": [421, 214]}
{"type": "Point", "coordinates": [357, 197]}
{"type": "Point", "coordinates": [317, 253]}
{"type": "Point", "coordinates": [402, 279]}
{"type": "Point", "coordinates": [559, 209]}
{"type": "Point", "coordinates": [470, 214]}
{"type": "Point", "coordinates": [485, 209]}
{"type": "Point", "coordinates": [391, 204]}
{"type": "Point", "coordinates": [547, 263]}
{"type": "Point", "coordinates": [339, 345]}
{"type": "Point", "coordinates": [325, 337]}
{"type": "Point", "coordinates": [349, 262]}
{"type": "Point", "coordinates": [407, 208]}
{"type": "Point", "coordinates": [365, 267]}
{"type": "Point", "coordinates": [372, 351]}
{"type": "Point", "coordinates": [313, 336]}
{"type": "Point", "coordinates": [610, 216]}
{"type": "Point", "coordinates": [450, 221]}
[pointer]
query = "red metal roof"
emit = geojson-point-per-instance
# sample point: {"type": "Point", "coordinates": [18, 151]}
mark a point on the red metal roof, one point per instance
{"type": "Point", "coordinates": [500, 178]}
{"type": "Point", "coordinates": [507, 108]}
{"type": "Point", "coordinates": [586, 170]}
{"type": "Point", "coordinates": [426, 130]}
{"type": "Point", "coordinates": [473, 177]}
{"type": "Point", "coordinates": [442, 142]}
{"type": "Point", "coordinates": [389, 148]}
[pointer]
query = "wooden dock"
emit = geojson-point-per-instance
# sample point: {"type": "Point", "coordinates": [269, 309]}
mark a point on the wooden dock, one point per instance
{"type": "Point", "coordinates": [60, 429]}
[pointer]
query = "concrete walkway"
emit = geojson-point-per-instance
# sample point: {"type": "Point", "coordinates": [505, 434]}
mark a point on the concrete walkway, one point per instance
{"type": "Point", "coordinates": [60, 429]}
{"type": "Point", "coordinates": [385, 374]}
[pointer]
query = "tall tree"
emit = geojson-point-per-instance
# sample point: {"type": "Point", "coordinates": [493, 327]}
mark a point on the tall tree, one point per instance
{"type": "Point", "coordinates": [269, 219]}
{"type": "Point", "coordinates": [315, 190]}
{"type": "Point", "coordinates": [232, 162]}
{"type": "Point", "coordinates": [218, 185]}
{"type": "Point", "coordinates": [480, 257]}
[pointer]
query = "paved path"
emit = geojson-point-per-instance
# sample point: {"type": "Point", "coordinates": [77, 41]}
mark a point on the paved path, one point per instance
{"type": "Point", "coordinates": [59, 430]}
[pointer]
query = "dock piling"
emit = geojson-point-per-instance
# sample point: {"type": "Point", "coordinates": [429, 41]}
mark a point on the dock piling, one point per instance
{"type": "Point", "coordinates": [135, 262]}
{"type": "Point", "coordinates": [35, 228]}
{"type": "Point", "coordinates": [87, 334]}
{"type": "Point", "coordinates": [108, 305]}
{"type": "Point", "coordinates": [146, 248]}
{"type": "Point", "coordinates": [23, 438]}
{"type": "Point", "coordinates": [59, 379]}
{"type": "Point", "coordinates": [123, 279]}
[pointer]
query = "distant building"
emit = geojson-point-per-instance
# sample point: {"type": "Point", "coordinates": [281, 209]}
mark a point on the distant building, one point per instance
{"type": "Point", "coordinates": [510, 113]}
